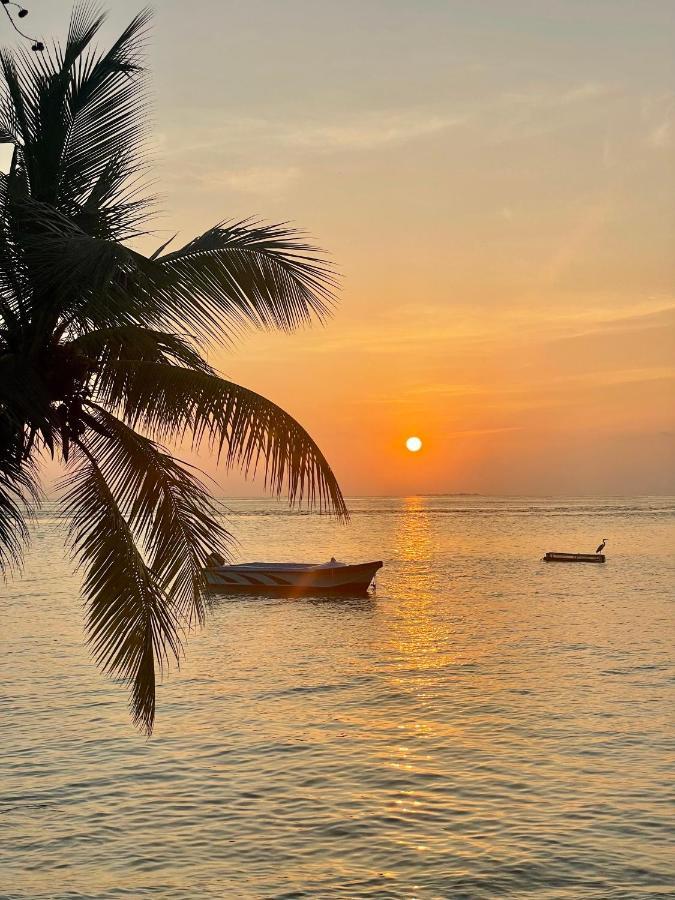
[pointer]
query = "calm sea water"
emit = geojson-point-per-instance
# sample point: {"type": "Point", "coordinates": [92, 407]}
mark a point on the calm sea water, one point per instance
{"type": "Point", "coordinates": [486, 725]}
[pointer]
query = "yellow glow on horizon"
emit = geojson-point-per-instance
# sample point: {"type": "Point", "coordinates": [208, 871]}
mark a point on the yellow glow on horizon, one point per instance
{"type": "Point", "coordinates": [413, 444]}
{"type": "Point", "coordinates": [537, 357]}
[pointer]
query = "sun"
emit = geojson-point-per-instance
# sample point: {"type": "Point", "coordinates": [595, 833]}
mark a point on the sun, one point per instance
{"type": "Point", "coordinates": [413, 444]}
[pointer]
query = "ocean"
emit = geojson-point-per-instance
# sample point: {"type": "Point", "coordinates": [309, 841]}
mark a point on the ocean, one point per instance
{"type": "Point", "coordinates": [485, 725]}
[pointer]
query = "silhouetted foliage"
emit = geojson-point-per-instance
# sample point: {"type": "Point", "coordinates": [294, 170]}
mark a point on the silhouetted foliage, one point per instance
{"type": "Point", "coordinates": [101, 352]}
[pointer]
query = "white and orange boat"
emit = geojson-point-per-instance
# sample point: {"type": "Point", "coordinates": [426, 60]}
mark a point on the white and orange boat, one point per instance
{"type": "Point", "coordinates": [332, 577]}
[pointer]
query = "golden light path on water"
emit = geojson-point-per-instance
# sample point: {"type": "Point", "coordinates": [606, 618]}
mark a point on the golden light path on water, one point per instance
{"type": "Point", "coordinates": [485, 724]}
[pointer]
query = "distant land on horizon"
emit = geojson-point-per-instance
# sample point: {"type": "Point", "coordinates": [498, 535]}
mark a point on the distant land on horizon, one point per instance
{"type": "Point", "coordinates": [600, 496]}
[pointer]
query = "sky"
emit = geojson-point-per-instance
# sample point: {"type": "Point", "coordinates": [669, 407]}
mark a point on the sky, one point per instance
{"type": "Point", "coordinates": [494, 180]}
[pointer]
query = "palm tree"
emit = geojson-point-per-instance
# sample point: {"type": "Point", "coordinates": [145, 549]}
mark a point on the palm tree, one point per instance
{"type": "Point", "coordinates": [101, 353]}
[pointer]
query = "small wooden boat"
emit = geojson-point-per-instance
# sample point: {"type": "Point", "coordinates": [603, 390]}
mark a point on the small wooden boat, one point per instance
{"type": "Point", "coordinates": [304, 578]}
{"type": "Point", "coordinates": [575, 557]}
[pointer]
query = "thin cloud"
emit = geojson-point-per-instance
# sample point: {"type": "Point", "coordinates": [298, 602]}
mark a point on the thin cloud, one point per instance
{"type": "Point", "coordinates": [261, 180]}
{"type": "Point", "coordinates": [369, 132]}
{"type": "Point", "coordinates": [538, 110]}
{"type": "Point", "coordinates": [659, 114]}
{"type": "Point", "coordinates": [661, 135]}
{"type": "Point", "coordinates": [548, 97]}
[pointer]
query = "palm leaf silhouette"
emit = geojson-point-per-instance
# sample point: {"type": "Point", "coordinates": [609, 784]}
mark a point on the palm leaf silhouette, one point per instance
{"type": "Point", "coordinates": [101, 349]}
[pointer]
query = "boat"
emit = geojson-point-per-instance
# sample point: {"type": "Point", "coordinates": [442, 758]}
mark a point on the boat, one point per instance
{"type": "Point", "coordinates": [332, 577]}
{"type": "Point", "coordinates": [575, 557]}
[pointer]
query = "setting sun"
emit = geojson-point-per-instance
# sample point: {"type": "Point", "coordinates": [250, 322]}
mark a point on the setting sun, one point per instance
{"type": "Point", "coordinates": [450, 216]}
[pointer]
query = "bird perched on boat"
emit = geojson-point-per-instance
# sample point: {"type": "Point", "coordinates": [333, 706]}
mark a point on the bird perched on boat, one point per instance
{"type": "Point", "coordinates": [602, 546]}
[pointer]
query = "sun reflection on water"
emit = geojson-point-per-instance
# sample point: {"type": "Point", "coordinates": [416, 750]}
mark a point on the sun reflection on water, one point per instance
{"type": "Point", "coordinates": [424, 742]}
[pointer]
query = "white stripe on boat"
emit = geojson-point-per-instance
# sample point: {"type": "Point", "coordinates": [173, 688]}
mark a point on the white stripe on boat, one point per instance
{"type": "Point", "coordinates": [327, 577]}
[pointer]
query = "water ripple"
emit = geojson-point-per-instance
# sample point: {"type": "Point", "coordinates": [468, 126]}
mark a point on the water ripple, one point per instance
{"type": "Point", "coordinates": [486, 725]}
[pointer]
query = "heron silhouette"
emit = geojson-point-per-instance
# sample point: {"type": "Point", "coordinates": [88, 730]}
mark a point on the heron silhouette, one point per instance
{"type": "Point", "coordinates": [602, 546]}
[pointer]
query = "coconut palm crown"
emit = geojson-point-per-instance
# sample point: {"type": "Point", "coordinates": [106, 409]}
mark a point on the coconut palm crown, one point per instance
{"type": "Point", "coordinates": [102, 353]}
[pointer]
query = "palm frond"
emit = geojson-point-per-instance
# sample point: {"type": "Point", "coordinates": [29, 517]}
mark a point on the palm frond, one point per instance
{"type": "Point", "coordinates": [78, 119]}
{"type": "Point", "coordinates": [133, 627]}
{"type": "Point", "coordinates": [38, 86]}
{"type": "Point", "coordinates": [97, 340]}
{"type": "Point", "coordinates": [17, 110]}
{"type": "Point", "coordinates": [246, 273]}
{"type": "Point", "coordinates": [108, 114]}
{"type": "Point", "coordinates": [133, 342]}
{"type": "Point", "coordinates": [12, 287]}
{"type": "Point", "coordinates": [13, 529]}
{"type": "Point", "coordinates": [77, 278]}
{"type": "Point", "coordinates": [24, 395]}
{"type": "Point", "coordinates": [247, 430]}
{"type": "Point", "coordinates": [19, 495]}
{"type": "Point", "coordinates": [168, 509]}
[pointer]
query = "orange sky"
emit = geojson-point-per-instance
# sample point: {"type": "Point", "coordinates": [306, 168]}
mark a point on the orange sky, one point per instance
{"type": "Point", "coordinates": [495, 181]}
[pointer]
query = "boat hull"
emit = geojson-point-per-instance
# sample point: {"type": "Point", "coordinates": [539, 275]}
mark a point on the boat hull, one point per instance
{"type": "Point", "coordinates": [351, 580]}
